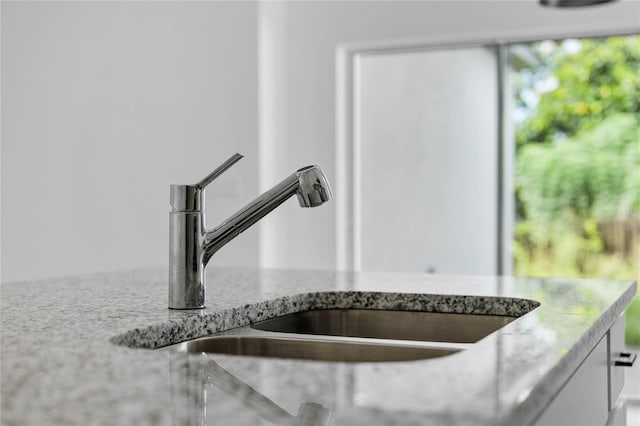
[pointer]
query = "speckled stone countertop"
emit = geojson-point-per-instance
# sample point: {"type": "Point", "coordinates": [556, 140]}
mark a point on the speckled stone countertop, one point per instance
{"type": "Point", "coordinates": [66, 357]}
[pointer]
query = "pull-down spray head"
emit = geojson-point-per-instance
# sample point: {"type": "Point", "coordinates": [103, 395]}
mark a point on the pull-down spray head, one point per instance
{"type": "Point", "coordinates": [313, 188]}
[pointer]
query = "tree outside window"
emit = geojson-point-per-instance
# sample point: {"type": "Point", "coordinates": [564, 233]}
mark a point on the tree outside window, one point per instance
{"type": "Point", "coordinates": [577, 117]}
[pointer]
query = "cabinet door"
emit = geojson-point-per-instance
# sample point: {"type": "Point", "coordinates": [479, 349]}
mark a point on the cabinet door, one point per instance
{"type": "Point", "coordinates": [616, 346]}
{"type": "Point", "coordinates": [583, 400]}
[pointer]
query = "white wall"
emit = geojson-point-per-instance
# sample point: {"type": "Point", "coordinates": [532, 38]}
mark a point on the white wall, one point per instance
{"type": "Point", "coordinates": [316, 30]}
{"type": "Point", "coordinates": [104, 105]}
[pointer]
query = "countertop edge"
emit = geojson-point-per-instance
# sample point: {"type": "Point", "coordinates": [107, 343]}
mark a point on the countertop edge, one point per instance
{"type": "Point", "coordinates": [548, 387]}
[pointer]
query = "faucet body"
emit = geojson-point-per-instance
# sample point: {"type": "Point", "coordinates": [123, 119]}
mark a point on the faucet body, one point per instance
{"type": "Point", "coordinates": [191, 245]}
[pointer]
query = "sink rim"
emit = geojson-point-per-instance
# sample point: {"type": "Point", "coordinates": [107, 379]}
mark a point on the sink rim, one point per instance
{"type": "Point", "coordinates": [196, 324]}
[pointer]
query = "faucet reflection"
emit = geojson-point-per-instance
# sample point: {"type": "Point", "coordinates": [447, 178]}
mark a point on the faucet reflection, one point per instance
{"type": "Point", "coordinates": [191, 245]}
{"type": "Point", "coordinates": [191, 377]}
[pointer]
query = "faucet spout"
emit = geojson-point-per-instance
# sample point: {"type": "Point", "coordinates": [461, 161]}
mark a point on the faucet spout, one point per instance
{"type": "Point", "coordinates": [191, 246]}
{"type": "Point", "coordinates": [309, 184]}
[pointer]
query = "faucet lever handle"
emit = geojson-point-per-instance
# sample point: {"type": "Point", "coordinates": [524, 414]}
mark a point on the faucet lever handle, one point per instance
{"type": "Point", "coordinates": [189, 198]}
{"type": "Point", "coordinates": [219, 170]}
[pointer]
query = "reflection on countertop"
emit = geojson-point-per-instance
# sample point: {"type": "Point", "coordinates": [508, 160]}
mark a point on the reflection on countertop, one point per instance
{"type": "Point", "coordinates": [199, 384]}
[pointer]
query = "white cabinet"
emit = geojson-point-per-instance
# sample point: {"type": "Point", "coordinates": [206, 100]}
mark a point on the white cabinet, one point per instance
{"type": "Point", "coordinates": [583, 400]}
{"type": "Point", "coordinates": [590, 396]}
{"type": "Point", "coordinates": [616, 345]}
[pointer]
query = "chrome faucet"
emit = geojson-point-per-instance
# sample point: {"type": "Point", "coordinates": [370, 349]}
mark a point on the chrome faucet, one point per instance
{"type": "Point", "coordinates": [191, 245]}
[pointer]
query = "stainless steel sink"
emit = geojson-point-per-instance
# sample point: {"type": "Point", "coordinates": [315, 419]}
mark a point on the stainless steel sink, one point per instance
{"type": "Point", "coordinates": [348, 350]}
{"type": "Point", "coordinates": [352, 335]}
{"type": "Point", "coordinates": [388, 324]}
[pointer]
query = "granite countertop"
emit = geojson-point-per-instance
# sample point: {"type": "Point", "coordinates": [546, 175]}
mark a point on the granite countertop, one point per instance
{"type": "Point", "coordinates": [67, 355]}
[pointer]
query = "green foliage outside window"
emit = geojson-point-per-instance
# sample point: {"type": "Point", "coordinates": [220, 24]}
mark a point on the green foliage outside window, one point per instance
{"type": "Point", "coordinates": [578, 160]}
{"type": "Point", "coordinates": [596, 81]}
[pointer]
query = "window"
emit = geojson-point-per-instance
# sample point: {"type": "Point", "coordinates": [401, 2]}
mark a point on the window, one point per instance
{"type": "Point", "coordinates": [521, 158]}
{"type": "Point", "coordinates": [577, 164]}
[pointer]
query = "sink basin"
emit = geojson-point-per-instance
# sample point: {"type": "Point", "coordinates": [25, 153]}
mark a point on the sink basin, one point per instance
{"type": "Point", "coordinates": [388, 324]}
{"type": "Point", "coordinates": [316, 350]}
{"type": "Point", "coordinates": [352, 335]}
{"type": "Point", "coordinates": [369, 327]}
